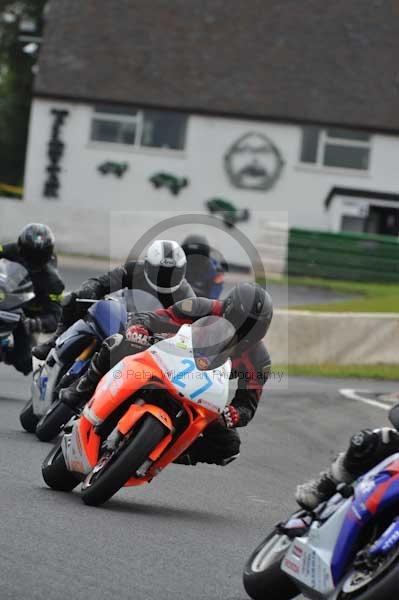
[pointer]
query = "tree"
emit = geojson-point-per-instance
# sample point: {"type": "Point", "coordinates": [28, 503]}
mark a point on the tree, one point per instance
{"type": "Point", "coordinates": [17, 60]}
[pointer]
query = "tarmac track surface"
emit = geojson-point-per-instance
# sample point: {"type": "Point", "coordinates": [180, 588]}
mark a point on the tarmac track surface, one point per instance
{"type": "Point", "coordinates": [187, 535]}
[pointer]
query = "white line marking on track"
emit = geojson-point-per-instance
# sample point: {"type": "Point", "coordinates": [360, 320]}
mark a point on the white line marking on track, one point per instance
{"type": "Point", "coordinates": [357, 395]}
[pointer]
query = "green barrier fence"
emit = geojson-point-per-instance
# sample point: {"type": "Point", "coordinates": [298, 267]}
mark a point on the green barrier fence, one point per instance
{"type": "Point", "coordinates": [351, 256]}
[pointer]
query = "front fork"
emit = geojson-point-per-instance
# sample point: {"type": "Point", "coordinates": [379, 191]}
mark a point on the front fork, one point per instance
{"type": "Point", "coordinates": [81, 443]}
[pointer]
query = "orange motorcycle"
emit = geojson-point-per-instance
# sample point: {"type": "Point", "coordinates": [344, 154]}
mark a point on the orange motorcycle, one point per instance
{"type": "Point", "coordinates": [146, 411]}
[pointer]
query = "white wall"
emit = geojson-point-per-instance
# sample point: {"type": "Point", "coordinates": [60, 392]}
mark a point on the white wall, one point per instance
{"type": "Point", "coordinates": [300, 191]}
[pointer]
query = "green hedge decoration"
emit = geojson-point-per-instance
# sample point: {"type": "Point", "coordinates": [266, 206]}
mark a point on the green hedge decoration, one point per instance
{"type": "Point", "coordinates": [113, 168]}
{"type": "Point", "coordinates": [173, 183]}
{"type": "Point", "coordinates": [226, 209]}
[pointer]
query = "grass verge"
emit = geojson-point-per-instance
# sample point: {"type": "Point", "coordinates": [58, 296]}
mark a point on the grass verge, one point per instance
{"type": "Point", "coordinates": [377, 371]}
{"type": "Point", "coordinates": [371, 297]}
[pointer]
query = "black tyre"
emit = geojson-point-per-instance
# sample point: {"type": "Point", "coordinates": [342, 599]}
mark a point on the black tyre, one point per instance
{"type": "Point", "coordinates": [263, 578]}
{"type": "Point", "coordinates": [27, 418]}
{"type": "Point", "coordinates": [55, 472]}
{"type": "Point", "coordinates": [384, 586]}
{"type": "Point", "coordinates": [50, 424]}
{"type": "Point", "coordinates": [101, 485]}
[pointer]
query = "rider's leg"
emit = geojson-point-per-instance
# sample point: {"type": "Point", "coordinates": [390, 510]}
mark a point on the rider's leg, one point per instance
{"type": "Point", "coordinates": [217, 445]}
{"type": "Point", "coordinates": [112, 350]}
{"type": "Point", "coordinates": [367, 448]}
{"type": "Point", "coordinates": [69, 315]}
{"type": "Point", "coordinates": [20, 355]}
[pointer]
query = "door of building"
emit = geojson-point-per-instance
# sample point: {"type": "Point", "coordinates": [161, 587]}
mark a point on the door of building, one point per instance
{"type": "Point", "coordinates": [383, 220]}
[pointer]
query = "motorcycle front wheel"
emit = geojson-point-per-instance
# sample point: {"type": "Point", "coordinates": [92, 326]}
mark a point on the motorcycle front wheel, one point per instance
{"type": "Point", "coordinates": [263, 578]}
{"type": "Point", "coordinates": [27, 417]}
{"type": "Point", "coordinates": [382, 583]}
{"type": "Point", "coordinates": [51, 423]}
{"type": "Point", "coordinates": [111, 474]}
{"type": "Point", "coordinates": [55, 472]}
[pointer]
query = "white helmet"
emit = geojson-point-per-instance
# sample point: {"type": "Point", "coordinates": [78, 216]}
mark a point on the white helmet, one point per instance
{"type": "Point", "coordinates": [165, 266]}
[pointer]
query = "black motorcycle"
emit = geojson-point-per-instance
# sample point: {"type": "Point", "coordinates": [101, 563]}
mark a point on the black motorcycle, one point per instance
{"type": "Point", "coordinates": [16, 290]}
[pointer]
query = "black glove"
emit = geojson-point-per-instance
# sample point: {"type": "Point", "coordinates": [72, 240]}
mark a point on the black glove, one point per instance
{"type": "Point", "coordinates": [142, 319]}
{"type": "Point", "coordinates": [32, 325]}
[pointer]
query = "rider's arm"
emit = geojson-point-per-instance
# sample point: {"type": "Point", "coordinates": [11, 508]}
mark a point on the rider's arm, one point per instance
{"type": "Point", "coordinates": [252, 371]}
{"type": "Point", "coordinates": [9, 251]}
{"type": "Point", "coordinates": [49, 297]}
{"type": "Point", "coordinates": [98, 287]}
{"type": "Point", "coordinates": [169, 320]}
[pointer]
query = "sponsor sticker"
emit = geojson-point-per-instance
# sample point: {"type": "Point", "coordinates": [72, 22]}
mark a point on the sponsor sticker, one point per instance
{"type": "Point", "coordinates": [291, 566]}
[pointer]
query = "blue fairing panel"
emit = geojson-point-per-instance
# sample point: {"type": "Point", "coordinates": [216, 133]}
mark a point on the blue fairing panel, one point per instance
{"type": "Point", "coordinates": [371, 498]}
{"type": "Point", "coordinates": [75, 339]}
{"type": "Point", "coordinates": [109, 316]}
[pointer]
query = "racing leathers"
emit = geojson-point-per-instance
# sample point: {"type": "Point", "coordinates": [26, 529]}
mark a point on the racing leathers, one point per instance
{"type": "Point", "coordinates": [220, 442]}
{"type": "Point", "coordinates": [367, 449]}
{"type": "Point", "coordinates": [205, 275]}
{"type": "Point", "coordinates": [42, 312]}
{"type": "Point", "coordinates": [130, 275]}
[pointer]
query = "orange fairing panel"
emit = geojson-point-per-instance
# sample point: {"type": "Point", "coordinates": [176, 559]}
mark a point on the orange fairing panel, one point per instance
{"type": "Point", "coordinates": [123, 380]}
{"type": "Point", "coordinates": [136, 412]}
{"type": "Point", "coordinates": [89, 440]}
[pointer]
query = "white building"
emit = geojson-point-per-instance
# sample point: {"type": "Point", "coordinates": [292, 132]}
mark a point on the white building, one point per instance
{"type": "Point", "coordinates": [268, 106]}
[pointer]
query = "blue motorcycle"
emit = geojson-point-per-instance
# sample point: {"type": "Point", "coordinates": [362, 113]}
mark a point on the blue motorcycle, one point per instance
{"type": "Point", "coordinates": [45, 414]}
{"type": "Point", "coordinates": [347, 549]}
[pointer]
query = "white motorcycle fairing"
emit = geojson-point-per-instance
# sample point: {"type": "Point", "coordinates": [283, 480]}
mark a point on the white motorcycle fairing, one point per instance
{"type": "Point", "coordinates": [44, 380]}
{"type": "Point", "coordinates": [206, 388]}
{"type": "Point", "coordinates": [309, 558]}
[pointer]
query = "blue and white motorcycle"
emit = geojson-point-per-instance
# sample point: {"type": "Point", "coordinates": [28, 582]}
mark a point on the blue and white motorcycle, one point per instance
{"type": "Point", "coordinates": [347, 549]}
{"type": "Point", "coordinates": [45, 414]}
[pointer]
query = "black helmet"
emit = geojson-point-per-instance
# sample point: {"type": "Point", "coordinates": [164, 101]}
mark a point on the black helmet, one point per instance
{"type": "Point", "coordinates": [36, 244]}
{"type": "Point", "coordinates": [250, 309]}
{"type": "Point", "coordinates": [196, 244]}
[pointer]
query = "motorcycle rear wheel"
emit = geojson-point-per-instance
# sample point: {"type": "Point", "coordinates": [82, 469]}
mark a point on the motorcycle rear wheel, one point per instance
{"type": "Point", "coordinates": [101, 486]}
{"type": "Point", "coordinates": [263, 578]}
{"type": "Point", "coordinates": [27, 417]}
{"type": "Point", "coordinates": [55, 472]}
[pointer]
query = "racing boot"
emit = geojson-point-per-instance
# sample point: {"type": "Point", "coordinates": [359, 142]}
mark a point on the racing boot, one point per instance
{"type": "Point", "coordinates": [81, 390]}
{"type": "Point", "coordinates": [309, 495]}
{"type": "Point", "coordinates": [41, 351]}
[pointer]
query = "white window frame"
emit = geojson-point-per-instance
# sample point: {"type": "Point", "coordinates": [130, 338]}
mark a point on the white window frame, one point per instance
{"type": "Point", "coordinates": [325, 139]}
{"type": "Point", "coordinates": [138, 120]}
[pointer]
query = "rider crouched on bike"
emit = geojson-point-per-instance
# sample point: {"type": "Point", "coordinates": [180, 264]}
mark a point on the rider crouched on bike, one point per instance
{"type": "Point", "coordinates": [249, 308]}
{"type": "Point", "coordinates": [161, 274]}
{"type": "Point", "coordinates": [366, 450]}
{"type": "Point", "coordinates": [204, 273]}
{"type": "Point", "coordinates": [34, 250]}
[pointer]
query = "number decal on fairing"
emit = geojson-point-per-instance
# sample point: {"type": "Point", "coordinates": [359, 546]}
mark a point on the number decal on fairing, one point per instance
{"type": "Point", "coordinates": [177, 379]}
{"type": "Point", "coordinates": [202, 389]}
{"type": "Point", "coordinates": [190, 367]}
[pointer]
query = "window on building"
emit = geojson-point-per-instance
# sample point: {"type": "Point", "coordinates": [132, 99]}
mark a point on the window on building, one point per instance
{"type": "Point", "coordinates": [334, 147]}
{"type": "Point", "coordinates": [140, 128]}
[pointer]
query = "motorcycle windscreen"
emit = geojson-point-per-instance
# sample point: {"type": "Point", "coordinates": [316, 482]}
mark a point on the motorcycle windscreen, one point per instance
{"type": "Point", "coordinates": [111, 317]}
{"type": "Point", "coordinates": [213, 340]}
{"type": "Point", "coordinates": [15, 285]}
{"type": "Point", "coordinates": [138, 300]}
